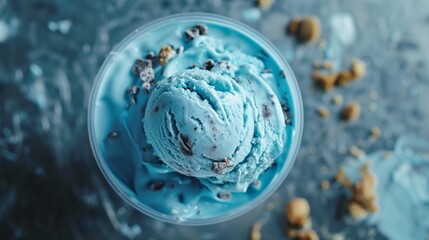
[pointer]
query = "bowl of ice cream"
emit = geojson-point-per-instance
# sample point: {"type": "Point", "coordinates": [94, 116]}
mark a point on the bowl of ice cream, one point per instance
{"type": "Point", "coordinates": [195, 119]}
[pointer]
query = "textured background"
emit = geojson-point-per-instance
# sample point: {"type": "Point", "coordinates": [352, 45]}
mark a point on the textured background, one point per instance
{"type": "Point", "coordinates": [50, 51]}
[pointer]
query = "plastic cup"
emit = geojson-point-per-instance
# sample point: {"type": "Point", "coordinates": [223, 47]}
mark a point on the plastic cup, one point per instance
{"type": "Point", "coordinates": [287, 158]}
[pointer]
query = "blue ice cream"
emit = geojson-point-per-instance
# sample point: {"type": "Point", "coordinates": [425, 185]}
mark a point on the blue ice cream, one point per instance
{"type": "Point", "coordinates": [200, 124]}
{"type": "Point", "coordinates": [224, 126]}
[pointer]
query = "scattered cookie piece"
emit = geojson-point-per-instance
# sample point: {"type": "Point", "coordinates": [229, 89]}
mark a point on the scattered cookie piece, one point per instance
{"type": "Point", "coordinates": [344, 78]}
{"type": "Point", "coordinates": [358, 68]}
{"type": "Point", "coordinates": [324, 81]}
{"type": "Point", "coordinates": [306, 29]}
{"type": "Point", "coordinates": [298, 212]}
{"type": "Point", "coordinates": [356, 152]}
{"type": "Point", "coordinates": [351, 112]}
{"type": "Point", "coordinates": [341, 178]}
{"type": "Point", "coordinates": [324, 185]}
{"type": "Point", "coordinates": [356, 210]}
{"type": "Point", "coordinates": [165, 54]}
{"type": "Point", "coordinates": [341, 78]}
{"type": "Point", "coordinates": [195, 31]}
{"type": "Point", "coordinates": [363, 199]}
{"type": "Point", "coordinates": [255, 233]}
{"type": "Point", "coordinates": [318, 64]}
{"type": "Point", "coordinates": [337, 99]}
{"type": "Point", "coordinates": [302, 235]}
{"type": "Point", "coordinates": [375, 132]}
{"type": "Point", "coordinates": [264, 3]}
{"type": "Point", "coordinates": [323, 112]}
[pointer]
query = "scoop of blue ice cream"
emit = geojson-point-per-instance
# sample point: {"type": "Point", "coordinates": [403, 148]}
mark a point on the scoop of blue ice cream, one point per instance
{"type": "Point", "coordinates": [223, 125]}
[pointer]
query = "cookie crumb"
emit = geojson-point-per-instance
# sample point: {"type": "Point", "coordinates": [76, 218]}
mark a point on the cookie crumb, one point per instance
{"type": "Point", "coordinates": [363, 199]}
{"type": "Point", "coordinates": [298, 212]}
{"type": "Point", "coordinates": [356, 210]}
{"type": "Point", "coordinates": [224, 195]}
{"type": "Point", "coordinates": [324, 81]}
{"type": "Point", "coordinates": [351, 112]}
{"type": "Point", "coordinates": [165, 54]}
{"type": "Point", "coordinates": [358, 68]}
{"type": "Point", "coordinates": [324, 185]}
{"type": "Point", "coordinates": [264, 3]}
{"type": "Point", "coordinates": [375, 132]}
{"type": "Point", "coordinates": [156, 185]}
{"type": "Point", "coordinates": [323, 112]}
{"type": "Point", "coordinates": [292, 27]}
{"type": "Point", "coordinates": [113, 135]}
{"type": "Point", "coordinates": [356, 152]}
{"type": "Point", "coordinates": [306, 29]}
{"type": "Point", "coordinates": [337, 99]}
{"type": "Point", "coordinates": [318, 64]}
{"type": "Point", "coordinates": [341, 178]}
{"type": "Point", "coordinates": [255, 233]}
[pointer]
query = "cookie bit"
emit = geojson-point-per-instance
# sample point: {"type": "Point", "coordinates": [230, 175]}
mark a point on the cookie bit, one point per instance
{"type": "Point", "coordinates": [150, 56]}
{"type": "Point", "coordinates": [165, 54]}
{"type": "Point", "coordinates": [146, 87]}
{"type": "Point", "coordinates": [302, 235]}
{"type": "Point", "coordinates": [209, 64]}
{"type": "Point", "coordinates": [141, 65]}
{"type": "Point", "coordinates": [344, 77]}
{"type": "Point", "coordinates": [363, 199]}
{"type": "Point", "coordinates": [224, 195]}
{"type": "Point", "coordinates": [337, 99]}
{"type": "Point", "coordinates": [221, 166]}
{"type": "Point", "coordinates": [255, 233]}
{"type": "Point", "coordinates": [113, 135]}
{"type": "Point", "coordinates": [298, 212]}
{"type": "Point", "coordinates": [195, 31]}
{"type": "Point", "coordinates": [324, 81]}
{"type": "Point", "coordinates": [133, 100]}
{"type": "Point", "coordinates": [358, 68]}
{"type": "Point", "coordinates": [375, 132]}
{"type": "Point", "coordinates": [351, 112]}
{"type": "Point", "coordinates": [356, 152]}
{"type": "Point", "coordinates": [323, 64]}
{"type": "Point", "coordinates": [180, 49]}
{"type": "Point", "coordinates": [186, 145]}
{"type": "Point", "coordinates": [324, 185]}
{"type": "Point", "coordinates": [323, 112]}
{"type": "Point", "coordinates": [264, 3]}
{"type": "Point", "coordinates": [156, 185]}
{"type": "Point", "coordinates": [305, 29]}
{"type": "Point", "coordinates": [341, 178]}
{"type": "Point", "coordinates": [282, 74]}
{"type": "Point", "coordinates": [134, 90]}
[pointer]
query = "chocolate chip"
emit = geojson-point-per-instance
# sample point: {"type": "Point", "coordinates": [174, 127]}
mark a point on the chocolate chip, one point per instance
{"type": "Point", "coordinates": [186, 145]}
{"type": "Point", "coordinates": [134, 90]}
{"type": "Point", "coordinates": [151, 56]}
{"type": "Point", "coordinates": [219, 167]}
{"type": "Point", "coordinates": [142, 65]}
{"type": "Point", "coordinates": [180, 49]}
{"type": "Point", "coordinates": [287, 113]}
{"type": "Point", "coordinates": [193, 66]}
{"type": "Point", "coordinates": [146, 87]}
{"type": "Point", "coordinates": [266, 111]}
{"type": "Point", "coordinates": [282, 74]}
{"type": "Point", "coordinates": [156, 109]}
{"type": "Point", "coordinates": [203, 29]}
{"type": "Point", "coordinates": [113, 135]}
{"type": "Point", "coordinates": [195, 31]}
{"type": "Point", "coordinates": [156, 185]}
{"type": "Point", "coordinates": [209, 64]}
{"type": "Point", "coordinates": [181, 198]}
{"type": "Point", "coordinates": [224, 195]}
{"type": "Point", "coordinates": [133, 100]}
